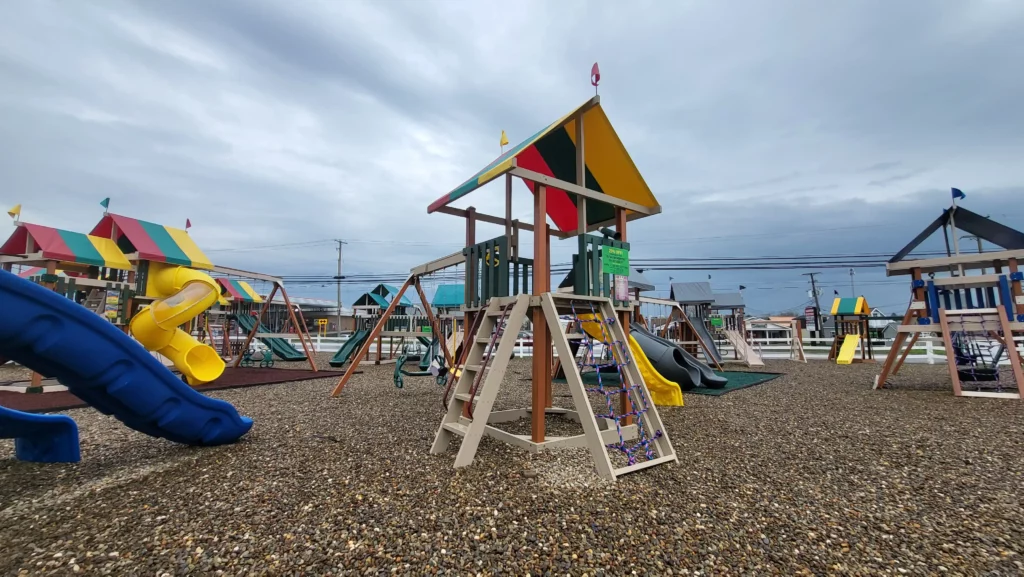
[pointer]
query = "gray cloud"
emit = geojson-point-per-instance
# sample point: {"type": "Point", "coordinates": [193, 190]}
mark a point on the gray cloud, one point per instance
{"type": "Point", "coordinates": [274, 123]}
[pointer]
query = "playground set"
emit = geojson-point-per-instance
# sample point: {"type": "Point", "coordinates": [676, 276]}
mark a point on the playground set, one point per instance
{"type": "Point", "coordinates": [852, 331]}
{"type": "Point", "coordinates": [977, 315]}
{"type": "Point", "coordinates": [710, 317]}
{"type": "Point", "coordinates": [582, 178]}
{"type": "Point", "coordinates": [126, 277]}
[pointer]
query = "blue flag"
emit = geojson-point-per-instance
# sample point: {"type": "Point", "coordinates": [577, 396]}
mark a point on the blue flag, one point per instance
{"type": "Point", "coordinates": [957, 193]}
{"type": "Point", "coordinates": [105, 203]}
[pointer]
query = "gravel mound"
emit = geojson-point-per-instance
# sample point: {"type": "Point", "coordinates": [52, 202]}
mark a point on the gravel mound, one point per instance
{"type": "Point", "coordinates": [812, 473]}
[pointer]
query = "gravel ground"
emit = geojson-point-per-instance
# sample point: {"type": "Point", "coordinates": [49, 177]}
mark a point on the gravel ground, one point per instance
{"type": "Point", "coordinates": [812, 473]}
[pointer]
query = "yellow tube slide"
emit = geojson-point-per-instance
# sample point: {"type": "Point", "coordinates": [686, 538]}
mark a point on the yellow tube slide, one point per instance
{"type": "Point", "coordinates": [187, 293]}
{"type": "Point", "coordinates": [664, 392]}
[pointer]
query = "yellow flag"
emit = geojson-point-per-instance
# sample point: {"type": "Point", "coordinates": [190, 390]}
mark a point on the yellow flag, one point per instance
{"type": "Point", "coordinates": [504, 138]}
{"type": "Point", "coordinates": [15, 212]}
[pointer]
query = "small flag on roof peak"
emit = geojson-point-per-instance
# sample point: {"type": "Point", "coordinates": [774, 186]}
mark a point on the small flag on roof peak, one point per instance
{"type": "Point", "coordinates": [504, 141]}
{"type": "Point", "coordinates": [595, 76]}
{"type": "Point", "coordinates": [15, 211]}
{"type": "Point", "coordinates": [957, 193]}
{"type": "Point", "coordinates": [188, 224]}
{"type": "Point", "coordinates": [105, 203]}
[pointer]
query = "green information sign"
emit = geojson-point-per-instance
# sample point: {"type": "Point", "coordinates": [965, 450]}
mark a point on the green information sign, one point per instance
{"type": "Point", "coordinates": [615, 261]}
{"type": "Point", "coordinates": [427, 330]}
{"type": "Point", "coordinates": [716, 322]}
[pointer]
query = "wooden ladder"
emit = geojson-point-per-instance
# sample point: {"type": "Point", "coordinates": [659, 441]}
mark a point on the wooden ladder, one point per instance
{"type": "Point", "coordinates": [96, 301]}
{"type": "Point", "coordinates": [598, 439]}
{"type": "Point", "coordinates": [491, 347]}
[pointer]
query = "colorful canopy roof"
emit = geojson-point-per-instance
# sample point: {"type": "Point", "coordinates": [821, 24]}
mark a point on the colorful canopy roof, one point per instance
{"type": "Point", "coordinates": [65, 246]}
{"type": "Point", "coordinates": [239, 290]}
{"type": "Point", "coordinates": [552, 152]}
{"type": "Point", "coordinates": [154, 242]}
{"type": "Point", "coordinates": [850, 306]}
{"type": "Point", "coordinates": [371, 299]}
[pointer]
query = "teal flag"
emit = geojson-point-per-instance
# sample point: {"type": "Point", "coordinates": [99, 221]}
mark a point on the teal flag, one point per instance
{"type": "Point", "coordinates": [105, 203]}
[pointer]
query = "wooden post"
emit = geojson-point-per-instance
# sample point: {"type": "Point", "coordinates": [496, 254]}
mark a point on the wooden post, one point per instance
{"type": "Point", "coordinates": [508, 214]}
{"type": "Point", "coordinates": [1016, 291]}
{"type": "Point", "coordinates": [541, 335]}
{"type": "Point", "coordinates": [624, 404]}
{"type": "Point", "coordinates": [948, 342]}
{"type": "Point", "coordinates": [374, 334]}
{"type": "Point", "coordinates": [299, 329]}
{"type": "Point", "coordinates": [36, 384]}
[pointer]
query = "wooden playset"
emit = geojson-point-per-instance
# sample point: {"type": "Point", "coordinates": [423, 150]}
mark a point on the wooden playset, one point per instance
{"type": "Point", "coordinates": [852, 331]}
{"type": "Point", "coordinates": [973, 301]}
{"type": "Point", "coordinates": [582, 178]}
{"type": "Point", "coordinates": [125, 267]}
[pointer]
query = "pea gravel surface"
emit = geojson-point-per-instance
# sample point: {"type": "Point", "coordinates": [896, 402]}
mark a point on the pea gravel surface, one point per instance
{"type": "Point", "coordinates": [812, 473]}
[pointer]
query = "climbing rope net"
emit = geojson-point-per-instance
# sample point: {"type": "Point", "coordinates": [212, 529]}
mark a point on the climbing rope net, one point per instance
{"type": "Point", "coordinates": [977, 349]}
{"type": "Point", "coordinates": [614, 354]}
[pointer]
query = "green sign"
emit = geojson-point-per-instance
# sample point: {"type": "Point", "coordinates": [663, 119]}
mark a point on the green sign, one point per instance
{"type": "Point", "coordinates": [426, 329]}
{"type": "Point", "coordinates": [615, 261]}
{"type": "Point", "coordinates": [716, 322]}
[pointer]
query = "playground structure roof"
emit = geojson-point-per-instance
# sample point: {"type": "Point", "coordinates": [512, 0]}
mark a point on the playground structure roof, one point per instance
{"type": "Point", "coordinates": [728, 301]}
{"type": "Point", "coordinates": [980, 226]}
{"type": "Point", "coordinates": [850, 306]}
{"type": "Point", "coordinates": [691, 293]}
{"type": "Point", "coordinates": [449, 296]}
{"type": "Point", "coordinates": [239, 290]}
{"type": "Point", "coordinates": [54, 244]}
{"type": "Point", "coordinates": [550, 155]}
{"type": "Point", "coordinates": [151, 241]}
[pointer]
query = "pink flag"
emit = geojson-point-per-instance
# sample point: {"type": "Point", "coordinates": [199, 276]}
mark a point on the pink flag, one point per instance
{"type": "Point", "coordinates": [188, 224]}
{"type": "Point", "coordinates": [595, 75]}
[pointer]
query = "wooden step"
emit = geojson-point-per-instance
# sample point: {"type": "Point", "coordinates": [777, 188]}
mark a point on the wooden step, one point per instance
{"type": "Point", "coordinates": [457, 428]}
{"type": "Point", "coordinates": [465, 397]}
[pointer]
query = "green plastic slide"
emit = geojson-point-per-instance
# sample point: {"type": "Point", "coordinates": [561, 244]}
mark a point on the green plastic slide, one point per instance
{"type": "Point", "coordinates": [349, 347]}
{"type": "Point", "coordinates": [281, 348]}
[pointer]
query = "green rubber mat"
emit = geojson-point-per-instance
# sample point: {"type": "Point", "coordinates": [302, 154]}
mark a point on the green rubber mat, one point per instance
{"type": "Point", "coordinates": [737, 380]}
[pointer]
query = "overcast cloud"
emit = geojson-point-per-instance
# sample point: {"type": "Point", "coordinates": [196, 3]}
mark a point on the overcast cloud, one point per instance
{"type": "Point", "coordinates": [759, 125]}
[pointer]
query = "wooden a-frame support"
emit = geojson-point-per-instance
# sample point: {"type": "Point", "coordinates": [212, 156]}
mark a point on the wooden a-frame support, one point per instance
{"type": "Point", "coordinates": [412, 281]}
{"type": "Point", "coordinates": [488, 374]}
{"type": "Point", "coordinates": [300, 330]}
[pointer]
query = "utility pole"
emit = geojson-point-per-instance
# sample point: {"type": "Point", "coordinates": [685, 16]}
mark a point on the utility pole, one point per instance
{"type": "Point", "coordinates": [817, 305]}
{"type": "Point", "coordinates": [337, 279]}
{"type": "Point", "coordinates": [853, 289]}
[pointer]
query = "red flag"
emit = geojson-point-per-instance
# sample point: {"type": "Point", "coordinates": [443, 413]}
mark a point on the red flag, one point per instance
{"type": "Point", "coordinates": [188, 224]}
{"type": "Point", "coordinates": [595, 75]}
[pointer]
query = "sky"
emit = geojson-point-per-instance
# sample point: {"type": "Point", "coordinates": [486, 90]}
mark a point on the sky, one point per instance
{"type": "Point", "coordinates": [763, 128]}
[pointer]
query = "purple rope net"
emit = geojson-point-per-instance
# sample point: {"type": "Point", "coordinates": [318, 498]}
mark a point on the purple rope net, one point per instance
{"type": "Point", "coordinates": [973, 363]}
{"type": "Point", "coordinates": [615, 350]}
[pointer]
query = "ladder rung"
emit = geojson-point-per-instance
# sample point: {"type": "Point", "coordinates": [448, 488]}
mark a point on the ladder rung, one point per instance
{"type": "Point", "coordinates": [575, 336]}
{"type": "Point", "coordinates": [497, 313]}
{"type": "Point", "coordinates": [643, 465]}
{"type": "Point", "coordinates": [457, 428]}
{"type": "Point", "coordinates": [484, 340]}
{"type": "Point", "coordinates": [473, 368]}
{"type": "Point", "coordinates": [465, 397]}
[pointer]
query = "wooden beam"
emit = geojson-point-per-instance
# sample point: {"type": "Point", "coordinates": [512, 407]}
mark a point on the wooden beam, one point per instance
{"type": "Point", "coordinates": [625, 405]}
{"type": "Point", "coordinates": [571, 188]}
{"type": "Point", "coordinates": [482, 217]}
{"type": "Point", "coordinates": [374, 334]}
{"type": "Point", "coordinates": [541, 333]}
{"type": "Point", "coordinates": [438, 264]}
{"type": "Point", "coordinates": [942, 264]}
{"type": "Point", "coordinates": [247, 274]}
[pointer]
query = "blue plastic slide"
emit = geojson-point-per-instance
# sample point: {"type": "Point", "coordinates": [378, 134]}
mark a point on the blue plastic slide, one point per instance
{"type": "Point", "coordinates": [40, 438]}
{"type": "Point", "coordinates": [106, 368]}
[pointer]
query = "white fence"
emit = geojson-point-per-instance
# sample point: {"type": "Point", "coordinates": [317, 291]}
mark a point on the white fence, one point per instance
{"type": "Point", "coordinates": [927, 349]}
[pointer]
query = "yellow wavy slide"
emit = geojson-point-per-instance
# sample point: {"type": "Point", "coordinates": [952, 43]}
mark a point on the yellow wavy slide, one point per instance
{"type": "Point", "coordinates": [664, 392]}
{"type": "Point", "coordinates": [185, 293]}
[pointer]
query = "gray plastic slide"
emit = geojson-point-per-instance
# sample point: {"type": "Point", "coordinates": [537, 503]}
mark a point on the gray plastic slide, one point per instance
{"type": "Point", "coordinates": [701, 328]}
{"type": "Point", "coordinates": [674, 363]}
